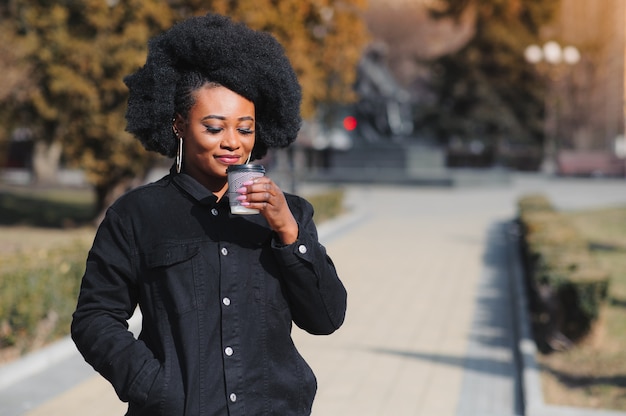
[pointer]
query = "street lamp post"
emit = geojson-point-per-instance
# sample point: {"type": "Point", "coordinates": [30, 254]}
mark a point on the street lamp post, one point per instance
{"type": "Point", "coordinates": [556, 58]}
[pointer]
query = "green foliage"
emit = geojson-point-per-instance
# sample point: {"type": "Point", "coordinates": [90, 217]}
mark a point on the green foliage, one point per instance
{"type": "Point", "coordinates": [605, 230]}
{"type": "Point", "coordinates": [14, 85]}
{"type": "Point", "coordinates": [77, 53]}
{"type": "Point", "coordinates": [486, 90]}
{"type": "Point", "coordinates": [38, 293]}
{"type": "Point", "coordinates": [328, 204]}
{"type": "Point", "coordinates": [558, 260]}
{"type": "Point", "coordinates": [590, 374]}
{"type": "Point", "coordinates": [323, 39]}
{"type": "Point", "coordinates": [534, 202]}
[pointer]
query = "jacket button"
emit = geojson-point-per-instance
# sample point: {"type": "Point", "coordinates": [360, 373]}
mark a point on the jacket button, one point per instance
{"type": "Point", "coordinates": [224, 251]}
{"type": "Point", "coordinates": [233, 397]}
{"type": "Point", "coordinates": [214, 212]}
{"type": "Point", "coordinates": [302, 249]}
{"type": "Point", "coordinates": [228, 351]}
{"type": "Point", "coordinates": [226, 301]}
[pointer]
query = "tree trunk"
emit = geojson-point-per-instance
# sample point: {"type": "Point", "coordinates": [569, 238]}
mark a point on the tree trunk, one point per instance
{"type": "Point", "coordinates": [46, 161]}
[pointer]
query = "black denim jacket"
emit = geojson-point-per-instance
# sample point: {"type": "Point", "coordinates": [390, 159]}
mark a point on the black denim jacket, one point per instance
{"type": "Point", "coordinates": [218, 294]}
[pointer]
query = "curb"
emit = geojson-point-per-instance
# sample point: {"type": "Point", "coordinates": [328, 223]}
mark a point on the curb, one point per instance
{"type": "Point", "coordinates": [43, 358]}
{"type": "Point", "coordinates": [37, 361]}
{"type": "Point", "coordinates": [534, 404]}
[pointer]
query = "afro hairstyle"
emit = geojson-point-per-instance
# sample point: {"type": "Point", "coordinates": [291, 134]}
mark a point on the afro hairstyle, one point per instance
{"type": "Point", "coordinates": [251, 63]}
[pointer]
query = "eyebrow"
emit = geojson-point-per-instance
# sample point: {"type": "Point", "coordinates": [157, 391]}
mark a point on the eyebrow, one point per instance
{"type": "Point", "coordinates": [216, 117]}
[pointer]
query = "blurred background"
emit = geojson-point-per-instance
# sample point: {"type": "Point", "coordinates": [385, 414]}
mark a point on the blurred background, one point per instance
{"type": "Point", "coordinates": [524, 94]}
{"type": "Point", "coordinates": [394, 90]}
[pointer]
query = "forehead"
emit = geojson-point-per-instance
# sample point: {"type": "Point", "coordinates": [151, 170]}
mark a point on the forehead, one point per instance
{"type": "Point", "coordinates": [219, 100]}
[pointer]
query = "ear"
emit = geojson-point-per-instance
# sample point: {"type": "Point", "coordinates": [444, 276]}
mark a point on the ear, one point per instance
{"type": "Point", "coordinates": [179, 125]}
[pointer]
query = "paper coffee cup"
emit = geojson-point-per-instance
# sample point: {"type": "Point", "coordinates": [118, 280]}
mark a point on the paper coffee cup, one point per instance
{"type": "Point", "coordinates": [237, 175]}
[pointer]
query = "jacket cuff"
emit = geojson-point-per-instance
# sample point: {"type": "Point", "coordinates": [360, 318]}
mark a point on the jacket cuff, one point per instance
{"type": "Point", "coordinates": [302, 249]}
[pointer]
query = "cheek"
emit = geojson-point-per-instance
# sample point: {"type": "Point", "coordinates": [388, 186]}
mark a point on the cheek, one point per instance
{"type": "Point", "coordinates": [203, 144]}
{"type": "Point", "coordinates": [249, 143]}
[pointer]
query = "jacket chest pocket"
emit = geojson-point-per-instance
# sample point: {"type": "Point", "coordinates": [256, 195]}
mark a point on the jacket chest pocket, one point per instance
{"type": "Point", "coordinates": [175, 278]}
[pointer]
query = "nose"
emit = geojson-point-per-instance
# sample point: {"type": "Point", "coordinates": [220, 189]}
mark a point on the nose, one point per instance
{"type": "Point", "coordinates": [230, 140]}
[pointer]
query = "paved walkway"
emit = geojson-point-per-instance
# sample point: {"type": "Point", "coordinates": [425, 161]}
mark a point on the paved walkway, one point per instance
{"type": "Point", "coordinates": [429, 330]}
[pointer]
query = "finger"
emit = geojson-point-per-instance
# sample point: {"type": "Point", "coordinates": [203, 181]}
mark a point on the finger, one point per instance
{"type": "Point", "coordinates": [261, 205]}
{"type": "Point", "coordinates": [267, 189]}
{"type": "Point", "coordinates": [254, 194]}
{"type": "Point", "coordinates": [259, 197]}
{"type": "Point", "coordinates": [252, 186]}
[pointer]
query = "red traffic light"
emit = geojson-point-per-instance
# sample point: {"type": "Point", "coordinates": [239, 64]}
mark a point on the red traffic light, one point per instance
{"type": "Point", "coordinates": [349, 123]}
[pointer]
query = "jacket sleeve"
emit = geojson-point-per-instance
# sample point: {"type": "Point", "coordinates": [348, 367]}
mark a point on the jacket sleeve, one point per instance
{"type": "Point", "coordinates": [107, 299]}
{"type": "Point", "coordinates": [316, 296]}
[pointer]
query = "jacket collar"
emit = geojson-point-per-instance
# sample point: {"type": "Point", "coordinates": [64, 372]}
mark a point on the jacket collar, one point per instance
{"type": "Point", "coordinates": [193, 188]}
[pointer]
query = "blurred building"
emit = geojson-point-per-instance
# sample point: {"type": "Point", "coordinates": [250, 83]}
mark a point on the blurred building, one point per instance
{"type": "Point", "coordinates": [591, 92]}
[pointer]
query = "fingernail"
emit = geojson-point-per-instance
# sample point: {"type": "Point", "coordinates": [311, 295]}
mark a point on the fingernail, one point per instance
{"type": "Point", "coordinates": [242, 190]}
{"type": "Point", "coordinates": [248, 183]}
{"type": "Point", "coordinates": [241, 198]}
{"type": "Point", "coordinates": [244, 203]}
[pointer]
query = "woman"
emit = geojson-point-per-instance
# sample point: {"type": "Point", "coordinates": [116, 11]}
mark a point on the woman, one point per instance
{"type": "Point", "coordinates": [218, 292]}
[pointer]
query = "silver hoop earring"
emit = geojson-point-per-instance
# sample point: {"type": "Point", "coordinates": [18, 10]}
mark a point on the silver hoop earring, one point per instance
{"type": "Point", "coordinates": [179, 155]}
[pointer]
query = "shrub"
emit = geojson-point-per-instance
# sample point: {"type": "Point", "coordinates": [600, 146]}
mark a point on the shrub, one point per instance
{"type": "Point", "coordinates": [567, 285]}
{"type": "Point", "coordinates": [327, 204]}
{"type": "Point", "coordinates": [38, 293]}
{"type": "Point", "coordinates": [534, 202]}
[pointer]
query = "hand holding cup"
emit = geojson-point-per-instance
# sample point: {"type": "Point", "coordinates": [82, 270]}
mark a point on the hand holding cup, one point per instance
{"type": "Point", "coordinates": [261, 194]}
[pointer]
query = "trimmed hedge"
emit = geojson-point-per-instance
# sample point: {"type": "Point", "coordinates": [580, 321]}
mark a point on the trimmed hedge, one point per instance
{"type": "Point", "coordinates": [327, 204]}
{"type": "Point", "coordinates": [567, 286]}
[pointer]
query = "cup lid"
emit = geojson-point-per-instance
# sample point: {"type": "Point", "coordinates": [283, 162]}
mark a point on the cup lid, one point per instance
{"type": "Point", "coordinates": [248, 167]}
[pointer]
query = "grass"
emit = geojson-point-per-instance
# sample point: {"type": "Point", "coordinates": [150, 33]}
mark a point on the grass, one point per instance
{"type": "Point", "coordinates": [44, 239]}
{"type": "Point", "coordinates": [593, 373]}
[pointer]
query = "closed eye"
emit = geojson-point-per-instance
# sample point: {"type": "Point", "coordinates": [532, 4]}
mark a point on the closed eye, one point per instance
{"type": "Point", "coordinates": [213, 130]}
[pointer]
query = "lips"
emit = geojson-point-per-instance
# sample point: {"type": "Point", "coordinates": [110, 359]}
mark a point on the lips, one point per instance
{"type": "Point", "coordinates": [228, 159]}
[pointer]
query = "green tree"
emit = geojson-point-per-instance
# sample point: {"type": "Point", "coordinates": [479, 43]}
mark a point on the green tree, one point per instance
{"type": "Point", "coordinates": [487, 91]}
{"type": "Point", "coordinates": [14, 82]}
{"type": "Point", "coordinates": [324, 40]}
{"type": "Point", "coordinates": [79, 52]}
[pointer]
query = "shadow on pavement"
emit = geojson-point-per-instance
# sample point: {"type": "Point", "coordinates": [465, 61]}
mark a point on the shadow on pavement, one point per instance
{"type": "Point", "coordinates": [492, 383]}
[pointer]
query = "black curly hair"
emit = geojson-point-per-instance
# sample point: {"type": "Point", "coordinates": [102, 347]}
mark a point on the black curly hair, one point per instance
{"type": "Point", "coordinates": [213, 49]}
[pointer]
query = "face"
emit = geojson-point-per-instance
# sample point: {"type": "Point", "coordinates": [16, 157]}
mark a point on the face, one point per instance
{"type": "Point", "coordinates": [218, 132]}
